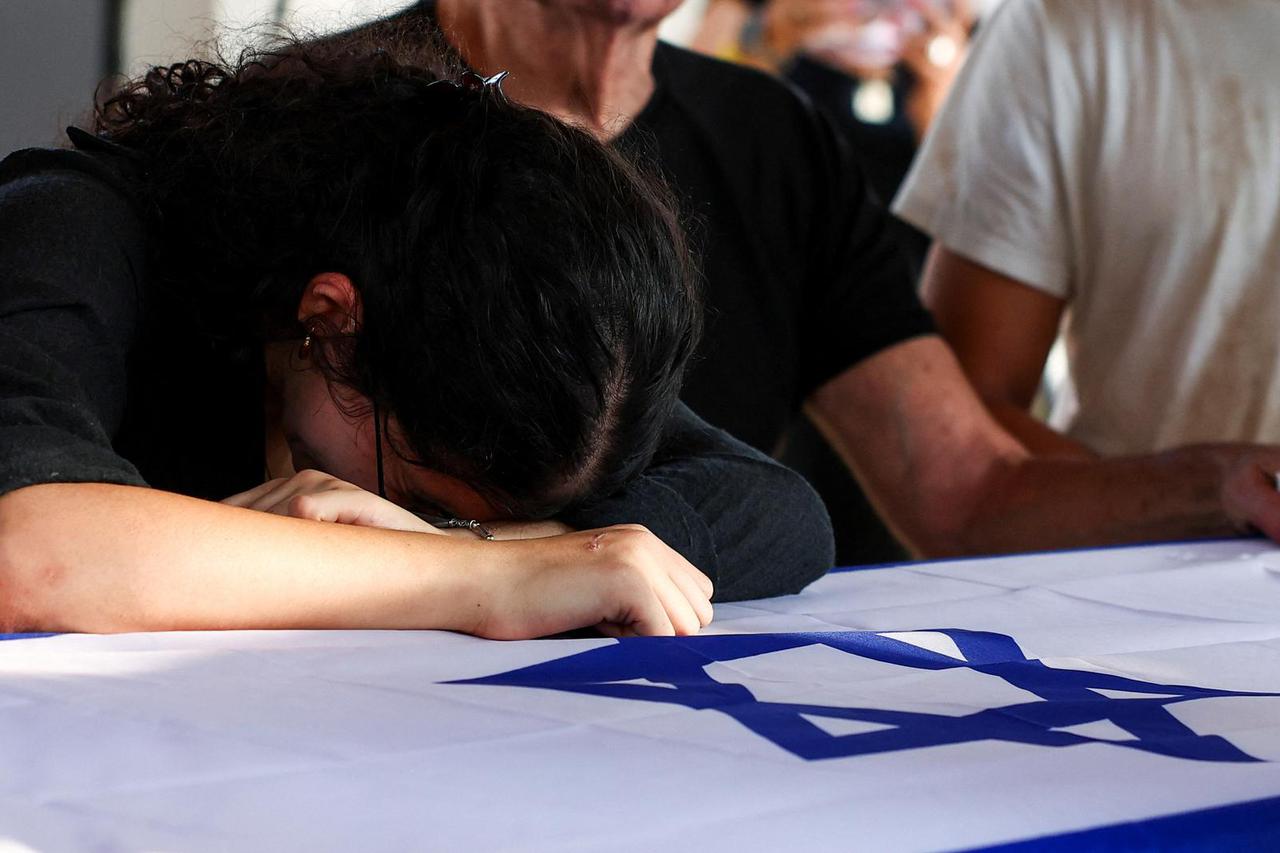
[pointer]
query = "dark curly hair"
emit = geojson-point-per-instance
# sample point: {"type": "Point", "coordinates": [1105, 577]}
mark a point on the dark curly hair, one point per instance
{"type": "Point", "coordinates": [528, 300]}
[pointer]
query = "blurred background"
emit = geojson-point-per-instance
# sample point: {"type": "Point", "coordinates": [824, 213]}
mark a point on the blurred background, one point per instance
{"type": "Point", "coordinates": [54, 52]}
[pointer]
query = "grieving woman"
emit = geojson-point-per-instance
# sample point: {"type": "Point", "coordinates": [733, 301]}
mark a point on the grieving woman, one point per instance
{"type": "Point", "coordinates": [444, 311]}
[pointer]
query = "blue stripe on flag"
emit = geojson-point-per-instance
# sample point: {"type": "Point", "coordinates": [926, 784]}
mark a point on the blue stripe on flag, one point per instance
{"type": "Point", "coordinates": [24, 636]}
{"type": "Point", "coordinates": [1239, 827]}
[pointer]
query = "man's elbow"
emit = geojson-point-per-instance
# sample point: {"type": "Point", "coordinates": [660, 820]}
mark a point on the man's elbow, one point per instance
{"type": "Point", "coordinates": [981, 517]}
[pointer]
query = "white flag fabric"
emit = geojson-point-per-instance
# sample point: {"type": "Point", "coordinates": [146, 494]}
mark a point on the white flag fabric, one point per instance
{"type": "Point", "coordinates": [1108, 699]}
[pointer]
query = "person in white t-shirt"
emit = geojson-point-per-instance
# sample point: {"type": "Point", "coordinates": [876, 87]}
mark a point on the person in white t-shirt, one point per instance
{"type": "Point", "coordinates": [1113, 167]}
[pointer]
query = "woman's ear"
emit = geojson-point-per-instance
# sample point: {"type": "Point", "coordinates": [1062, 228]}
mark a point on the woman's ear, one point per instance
{"type": "Point", "coordinates": [330, 301]}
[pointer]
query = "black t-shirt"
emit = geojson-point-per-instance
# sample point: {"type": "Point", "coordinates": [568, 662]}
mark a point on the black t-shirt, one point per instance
{"type": "Point", "coordinates": [184, 408]}
{"type": "Point", "coordinates": [103, 378]}
{"type": "Point", "coordinates": [804, 270]}
{"type": "Point", "coordinates": [802, 275]}
{"type": "Point", "coordinates": [886, 151]}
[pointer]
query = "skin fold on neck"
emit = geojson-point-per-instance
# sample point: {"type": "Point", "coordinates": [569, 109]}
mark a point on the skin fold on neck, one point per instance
{"type": "Point", "coordinates": [585, 61]}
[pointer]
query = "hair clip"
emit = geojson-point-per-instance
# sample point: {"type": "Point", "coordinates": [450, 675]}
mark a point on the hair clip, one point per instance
{"type": "Point", "coordinates": [473, 82]}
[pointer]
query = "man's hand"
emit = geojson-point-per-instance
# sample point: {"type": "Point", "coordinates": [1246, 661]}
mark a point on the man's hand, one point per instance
{"type": "Point", "coordinates": [317, 496]}
{"type": "Point", "coordinates": [950, 481]}
{"type": "Point", "coordinates": [622, 580]}
{"type": "Point", "coordinates": [1249, 493]}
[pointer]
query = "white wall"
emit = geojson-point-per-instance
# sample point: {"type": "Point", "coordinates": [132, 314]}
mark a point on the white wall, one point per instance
{"type": "Point", "coordinates": [157, 31]}
{"type": "Point", "coordinates": [161, 31]}
{"type": "Point", "coordinates": [52, 55]}
{"type": "Point", "coordinates": [331, 15]}
{"type": "Point", "coordinates": [682, 25]}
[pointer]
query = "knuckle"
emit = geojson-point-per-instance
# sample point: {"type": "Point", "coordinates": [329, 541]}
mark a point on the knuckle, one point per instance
{"type": "Point", "coordinates": [303, 506]}
{"type": "Point", "coordinates": [640, 561]}
{"type": "Point", "coordinates": [311, 475]}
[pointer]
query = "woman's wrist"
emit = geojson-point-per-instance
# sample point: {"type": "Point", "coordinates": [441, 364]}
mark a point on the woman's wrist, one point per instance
{"type": "Point", "coordinates": [462, 577]}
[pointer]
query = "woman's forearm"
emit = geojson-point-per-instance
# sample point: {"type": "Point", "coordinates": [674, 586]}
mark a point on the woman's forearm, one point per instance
{"type": "Point", "coordinates": [104, 558]}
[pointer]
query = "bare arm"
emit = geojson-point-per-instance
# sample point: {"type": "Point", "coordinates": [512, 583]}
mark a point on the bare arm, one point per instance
{"type": "Point", "coordinates": [105, 558]}
{"type": "Point", "coordinates": [950, 480]}
{"type": "Point", "coordinates": [1001, 330]}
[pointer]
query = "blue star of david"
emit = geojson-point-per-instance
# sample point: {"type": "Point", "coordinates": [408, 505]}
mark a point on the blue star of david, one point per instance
{"type": "Point", "coordinates": [1067, 697]}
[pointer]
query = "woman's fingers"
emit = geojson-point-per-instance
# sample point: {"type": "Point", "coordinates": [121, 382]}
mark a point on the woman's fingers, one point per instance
{"type": "Point", "coordinates": [675, 560]}
{"type": "Point", "coordinates": [679, 606]}
{"type": "Point", "coordinates": [317, 496]}
{"type": "Point", "coordinates": [282, 500]}
{"type": "Point", "coordinates": [661, 591]}
{"type": "Point", "coordinates": [700, 580]}
{"type": "Point", "coordinates": [277, 500]}
{"type": "Point", "coordinates": [247, 498]}
{"type": "Point", "coordinates": [697, 594]}
{"type": "Point", "coordinates": [273, 495]}
{"type": "Point", "coordinates": [649, 619]}
{"type": "Point", "coordinates": [672, 609]}
{"type": "Point", "coordinates": [355, 506]}
{"type": "Point", "coordinates": [621, 579]}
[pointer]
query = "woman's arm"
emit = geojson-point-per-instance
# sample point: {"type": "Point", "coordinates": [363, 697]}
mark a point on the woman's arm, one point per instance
{"type": "Point", "coordinates": [103, 558]}
{"type": "Point", "coordinates": [753, 525]}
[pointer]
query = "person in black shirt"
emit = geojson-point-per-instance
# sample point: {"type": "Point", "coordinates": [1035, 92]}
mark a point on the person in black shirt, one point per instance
{"type": "Point", "coordinates": [809, 302]}
{"type": "Point", "coordinates": [455, 301]}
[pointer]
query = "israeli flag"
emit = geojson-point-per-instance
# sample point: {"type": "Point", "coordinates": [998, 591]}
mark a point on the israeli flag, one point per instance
{"type": "Point", "coordinates": [1113, 699]}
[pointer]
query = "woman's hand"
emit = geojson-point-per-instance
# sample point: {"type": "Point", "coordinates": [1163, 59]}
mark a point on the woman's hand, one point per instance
{"type": "Point", "coordinates": [317, 496]}
{"type": "Point", "coordinates": [622, 580]}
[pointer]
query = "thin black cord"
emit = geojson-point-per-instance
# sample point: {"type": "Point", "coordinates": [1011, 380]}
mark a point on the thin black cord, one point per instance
{"type": "Point", "coordinates": [441, 521]}
{"type": "Point", "coordinates": [377, 437]}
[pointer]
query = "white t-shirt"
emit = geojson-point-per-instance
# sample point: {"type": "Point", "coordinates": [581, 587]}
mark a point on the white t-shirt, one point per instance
{"type": "Point", "coordinates": [1124, 155]}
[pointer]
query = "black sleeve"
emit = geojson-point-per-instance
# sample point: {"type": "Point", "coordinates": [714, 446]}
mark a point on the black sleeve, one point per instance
{"type": "Point", "coordinates": [754, 526]}
{"type": "Point", "coordinates": [70, 251]}
{"type": "Point", "coordinates": [859, 293]}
